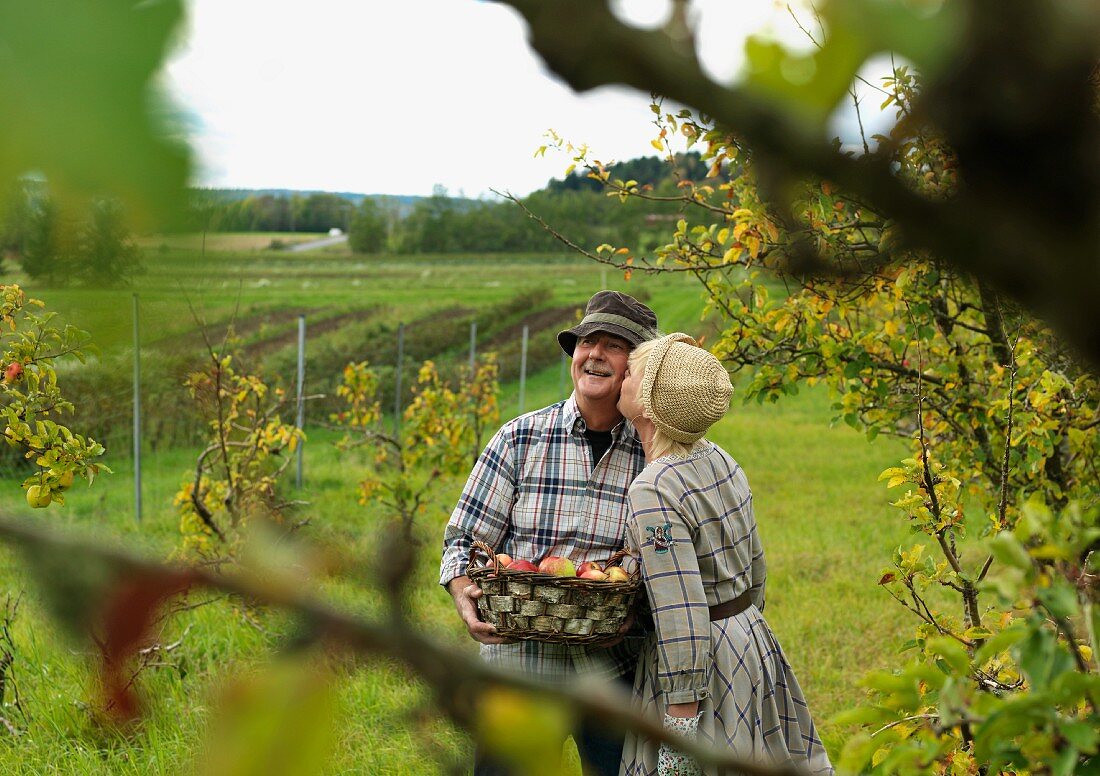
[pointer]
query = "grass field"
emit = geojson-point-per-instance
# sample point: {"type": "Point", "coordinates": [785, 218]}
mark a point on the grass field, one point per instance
{"type": "Point", "coordinates": [824, 520]}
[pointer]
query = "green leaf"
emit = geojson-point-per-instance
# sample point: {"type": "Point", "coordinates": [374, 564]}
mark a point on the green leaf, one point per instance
{"type": "Point", "coordinates": [1041, 658]}
{"type": "Point", "coordinates": [857, 753]}
{"type": "Point", "coordinates": [1008, 550]}
{"type": "Point", "coordinates": [1060, 599]}
{"type": "Point", "coordinates": [999, 643]}
{"type": "Point", "coordinates": [1064, 761]}
{"type": "Point", "coordinates": [812, 84]}
{"type": "Point", "coordinates": [953, 653]}
{"type": "Point", "coordinates": [1081, 734]}
{"type": "Point", "coordinates": [864, 715]}
{"type": "Point", "coordinates": [975, 633]}
{"type": "Point", "coordinates": [79, 81]}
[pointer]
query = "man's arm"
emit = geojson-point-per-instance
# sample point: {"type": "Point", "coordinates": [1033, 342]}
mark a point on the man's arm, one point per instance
{"type": "Point", "coordinates": [484, 511]}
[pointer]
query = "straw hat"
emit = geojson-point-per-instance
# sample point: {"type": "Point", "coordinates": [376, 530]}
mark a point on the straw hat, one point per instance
{"type": "Point", "coordinates": [685, 389]}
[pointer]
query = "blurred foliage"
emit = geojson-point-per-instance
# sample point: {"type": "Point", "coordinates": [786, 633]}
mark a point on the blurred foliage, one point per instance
{"type": "Point", "coordinates": [83, 105]}
{"type": "Point", "coordinates": [94, 247]}
{"type": "Point", "coordinates": [251, 734]}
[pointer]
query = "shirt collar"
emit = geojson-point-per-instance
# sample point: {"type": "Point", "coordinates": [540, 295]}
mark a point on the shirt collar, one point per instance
{"type": "Point", "coordinates": [574, 421]}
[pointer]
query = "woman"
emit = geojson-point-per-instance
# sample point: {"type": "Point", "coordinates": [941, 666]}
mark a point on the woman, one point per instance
{"type": "Point", "coordinates": [712, 669]}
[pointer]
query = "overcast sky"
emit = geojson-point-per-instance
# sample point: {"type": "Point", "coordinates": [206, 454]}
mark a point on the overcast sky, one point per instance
{"type": "Point", "coordinates": [394, 98]}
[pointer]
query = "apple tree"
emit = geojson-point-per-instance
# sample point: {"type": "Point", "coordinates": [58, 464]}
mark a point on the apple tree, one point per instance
{"type": "Point", "coordinates": [237, 473]}
{"type": "Point", "coordinates": [1001, 416]}
{"type": "Point", "coordinates": [33, 403]}
{"type": "Point", "coordinates": [441, 434]}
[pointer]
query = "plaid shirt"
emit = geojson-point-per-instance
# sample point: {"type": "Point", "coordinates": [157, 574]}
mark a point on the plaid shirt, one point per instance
{"type": "Point", "coordinates": [692, 524]}
{"type": "Point", "coordinates": [534, 492]}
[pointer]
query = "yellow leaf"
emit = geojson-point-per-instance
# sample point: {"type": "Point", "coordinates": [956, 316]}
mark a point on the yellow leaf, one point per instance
{"type": "Point", "coordinates": [657, 144]}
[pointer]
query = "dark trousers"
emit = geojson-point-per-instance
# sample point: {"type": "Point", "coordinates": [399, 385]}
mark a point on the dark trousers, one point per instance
{"type": "Point", "coordinates": [600, 749]}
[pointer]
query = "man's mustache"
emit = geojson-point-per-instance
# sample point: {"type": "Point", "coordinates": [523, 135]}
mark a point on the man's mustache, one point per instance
{"type": "Point", "coordinates": [592, 365]}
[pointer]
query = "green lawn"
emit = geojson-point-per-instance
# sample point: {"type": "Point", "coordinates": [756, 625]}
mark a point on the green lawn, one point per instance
{"type": "Point", "coordinates": [824, 520]}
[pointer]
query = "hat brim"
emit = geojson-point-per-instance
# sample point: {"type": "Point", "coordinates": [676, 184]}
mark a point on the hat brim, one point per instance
{"type": "Point", "coordinates": [568, 339]}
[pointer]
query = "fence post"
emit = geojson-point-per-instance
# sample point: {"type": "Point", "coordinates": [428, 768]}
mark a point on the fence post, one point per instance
{"type": "Point", "coordinates": [400, 367]}
{"type": "Point", "coordinates": [561, 375]}
{"type": "Point", "coordinates": [301, 388]}
{"type": "Point", "coordinates": [473, 347]}
{"type": "Point", "coordinates": [137, 413]}
{"type": "Point", "coordinates": [523, 370]}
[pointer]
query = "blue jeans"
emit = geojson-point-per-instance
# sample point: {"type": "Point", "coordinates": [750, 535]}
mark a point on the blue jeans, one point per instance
{"type": "Point", "coordinates": [600, 749]}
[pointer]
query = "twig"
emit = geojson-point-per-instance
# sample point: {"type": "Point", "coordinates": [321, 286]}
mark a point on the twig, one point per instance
{"type": "Point", "coordinates": [897, 722]}
{"type": "Point", "coordinates": [1002, 507]}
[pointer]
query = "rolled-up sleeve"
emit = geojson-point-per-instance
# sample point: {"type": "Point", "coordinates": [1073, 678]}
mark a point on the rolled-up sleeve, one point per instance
{"type": "Point", "coordinates": [484, 509]}
{"type": "Point", "coordinates": [670, 569]}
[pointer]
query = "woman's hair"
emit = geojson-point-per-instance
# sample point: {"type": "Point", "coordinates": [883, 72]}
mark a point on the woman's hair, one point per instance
{"type": "Point", "coordinates": [661, 444]}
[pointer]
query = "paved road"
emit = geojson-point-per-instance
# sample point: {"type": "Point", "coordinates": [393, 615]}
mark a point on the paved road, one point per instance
{"type": "Point", "coordinates": [315, 244]}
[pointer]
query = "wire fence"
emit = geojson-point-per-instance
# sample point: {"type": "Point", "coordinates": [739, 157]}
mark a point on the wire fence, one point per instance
{"type": "Point", "coordinates": [146, 416]}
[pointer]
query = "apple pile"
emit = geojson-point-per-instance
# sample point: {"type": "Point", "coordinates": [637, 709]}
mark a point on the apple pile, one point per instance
{"type": "Point", "coordinates": [563, 567]}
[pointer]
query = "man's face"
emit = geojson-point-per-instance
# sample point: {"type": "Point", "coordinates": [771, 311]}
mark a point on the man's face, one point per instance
{"type": "Point", "coordinates": [599, 364]}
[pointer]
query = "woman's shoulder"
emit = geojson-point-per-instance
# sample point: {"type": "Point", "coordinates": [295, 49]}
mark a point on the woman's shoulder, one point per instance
{"type": "Point", "coordinates": [673, 471]}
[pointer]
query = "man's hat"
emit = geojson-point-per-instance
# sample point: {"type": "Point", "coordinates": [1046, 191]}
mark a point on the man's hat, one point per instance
{"type": "Point", "coordinates": [614, 313]}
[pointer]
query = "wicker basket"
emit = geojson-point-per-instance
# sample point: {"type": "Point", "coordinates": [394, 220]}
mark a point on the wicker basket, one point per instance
{"type": "Point", "coordinates": [542, 607]}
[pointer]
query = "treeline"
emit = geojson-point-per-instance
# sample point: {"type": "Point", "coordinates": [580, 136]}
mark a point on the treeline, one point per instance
{"type": "Point", "coordinates": [318, 212]}
{"type": "Point", "coordinates": [576, 206]}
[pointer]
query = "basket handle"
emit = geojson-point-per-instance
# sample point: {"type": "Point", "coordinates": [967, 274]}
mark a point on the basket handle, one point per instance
{"type": "Point", "coordinates": [476, 545]}
{"type": "Point", "coordinates": [617, 559]}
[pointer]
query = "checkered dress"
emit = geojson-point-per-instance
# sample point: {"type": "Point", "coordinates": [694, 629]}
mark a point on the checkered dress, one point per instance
{"type": "Point", "coordinates": [533, 492]}
{"type": "Point", "coordinates": [692, 524]}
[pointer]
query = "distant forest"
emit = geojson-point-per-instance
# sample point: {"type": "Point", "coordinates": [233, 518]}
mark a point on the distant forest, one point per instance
{"type": "Point", "coordinates": [577, 206]}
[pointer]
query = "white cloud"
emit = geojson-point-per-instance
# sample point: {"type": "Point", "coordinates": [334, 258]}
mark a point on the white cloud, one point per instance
{"type": "Point", "coordinates": [397, 97]}
{"type": "Point", "coordinates": [389, 98]}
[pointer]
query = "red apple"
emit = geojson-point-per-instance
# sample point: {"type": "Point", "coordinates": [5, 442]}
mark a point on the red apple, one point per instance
{"type": "Point", "coordinates": [617, 574]}
{"type": "Point", "coordinates": [559, 567]}
{"type": "Point", "coordinates": [588, 565]}
{"type": "Point", "coordinates": [504, 559]}
{"type": "Point", "coordinates": [13, 372]}
{"type": "Point", "coordinates": [522, 565]}
{"type": "Point", "coordinates": [594, 574]}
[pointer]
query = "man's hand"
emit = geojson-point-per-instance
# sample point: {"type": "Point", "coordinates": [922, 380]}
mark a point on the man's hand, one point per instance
{"type": "Point", "coordinates": [465, 594]}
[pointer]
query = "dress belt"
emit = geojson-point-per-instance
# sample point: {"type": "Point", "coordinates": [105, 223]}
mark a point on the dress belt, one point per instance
{"type": "Point", "coordinates": [730, 608]}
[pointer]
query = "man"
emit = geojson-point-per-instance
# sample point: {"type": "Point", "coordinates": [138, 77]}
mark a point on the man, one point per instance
{"type": "Point", "coordinates": [554, 482]}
